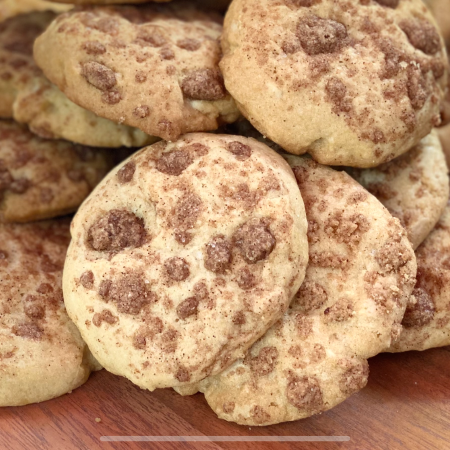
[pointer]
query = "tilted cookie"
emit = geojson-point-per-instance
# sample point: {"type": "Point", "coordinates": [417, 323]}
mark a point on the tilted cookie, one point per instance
{"type": "Point", "coordinates": [352, 83]}
{"type": "Point", "coordinates": [10, 8]}
{"type": "Point", "coordinates": [153, 67]}
{"type": "Point", "coordinates": [414, 187]}
{"type": "Point", "coordinates": [27, 95]}
{"type": "Point", "coordinates": [42, 355]}
{"type": "Point", "coordinates": [184, 256]}
{"type": "Point", "coordinates": [40, 179]}
{"type": "Point", "coordinates": [360, 274]}
{"type": "Point", "coordinates": [427, 318]}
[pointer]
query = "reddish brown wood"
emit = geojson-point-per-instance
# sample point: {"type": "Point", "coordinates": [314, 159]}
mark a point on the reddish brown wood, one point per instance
{"type": "Point", "coordinates": [406, 405]}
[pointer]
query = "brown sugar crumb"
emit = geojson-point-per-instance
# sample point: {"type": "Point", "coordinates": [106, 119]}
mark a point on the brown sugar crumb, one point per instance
{"type": "Point", "coordinates": [204, 84]}
{"type": "Point", "coordinates": [105, 316]}
{"type": "Point", "coordinates": [187, 211]}
{"type": "Point", "coordinates": [218, 254]}
{"type": "Point", "coordinates": [417, 91]}
{"type": "Point", "coordinates": [340, 311]}
{"type": "Point", "coordinates": [116, 230]}
{"type": "Point", "coordinates": [140, 76]}
{"type": "Point", "coordinates": [150, 38]}
{"type": "Point", "coordinates": [421, 312]}
{"type": "Point", "coordinates": [317, 354]}
{"type": "Point", "coordinates": [392, 256]}
{"type": "Point", "coordinates": [348, 230]}
{"type": "Point", "coordinates": [169, 341]}
{"type": "Point", "coordinates": [337, 92]}
{"type": "Point", "coordinates": [228, 407]}
{"type": "Point", "coordinates": [422, 35]}
{"type": "Point", "coordinates": [154, 326]}
{"type": "Point", "coordinates": [94, 48]}
{"type": "Point", "coordinates": [29, 331]}
{"type": "Point", "coordinates": [303, 325]}
{"type": "Point", "coordinates": [239, 318]}
{"type": "Point", "coordinates": [259, 415]}
{"type": "Point", "coordinates": [104, 288]}
{"type": "Point", "coordinates": [111, 97]}
{"type": "Point", "coordinates": [141, 112]}
{"type": "Point", "coordinates": [245, 279]}
{"type": "Point", "coordinates": [177, 268]}
{"type": "Point", "coordinates": [319, 65]}
{"type": "Point", "coordinates": [87, 279]}
{"type": "Point", "coordinates": [20, 185]}
{"type": "Point", "coordinates": [130, 293]}
{"type": "Point", "coordinates": [265, 362]}
{"type": "Point", "coordinates": [44, 288]}
{"type": "Point", "coordinates": [319, 35]}
{"type": "Point", "coordinates": [183, 375]}
{"type": "Point", "coordinates": [328, 260]}
{"type": "Point", "coordinates": [35, 311]}
{"type": "Point", "coordinates": [239, 150]}
{"type": "Point", "coordinates": [304, 393]}
{"type": "Point", "coordinates": [166, 53]}
{"type": "Point", "coordinates": [356, 197]}
{"type": "Point", "coordinates": [126, 173]}
{"type": "Point", "coordinates": [188, 308]}
{"type": "Point", "coordinates": [254, 240]}
{"type": "Point", "coordinates": [174, 163]}
{"type": "Point", "coordinates": [388, 3]}
{"type": "Point", "coordinates": [354, 378]}
{"type": "Point", "coordinates": [98, 75]}
{"type": "Point", "coordinates": [189, 44]}
{"type": "Point", "coordinates": [310, 296]}
{"type": "Point", "coordinates": [183, 237]}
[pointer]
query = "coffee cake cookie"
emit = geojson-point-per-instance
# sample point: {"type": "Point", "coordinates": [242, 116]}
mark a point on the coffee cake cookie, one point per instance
{"type": "Point", "coordinates": [353, 83]}
{"type": "Point", "coordinates": [10, 8]}
{"type": "Point", "coordinates": [184, 256]}
{"type": "Point", "coordinates": [42, 355]}
{"type": "Point", "coordinates": [40, 179]}
{"type": "Point", "coordinates": [27, 95]}
{"type": "Point", "coordinates": [414, 187]}
{"type": "Point", "coordinates": [153, 67]}
{"type": "Point", "coordinates": [361, 271]}
{"type": "Point", "coordinates": [444, 137]}
{"type": "Point", "coordinates": [426, 323]}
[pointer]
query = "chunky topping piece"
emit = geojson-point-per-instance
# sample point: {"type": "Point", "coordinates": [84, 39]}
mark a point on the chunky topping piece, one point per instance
{"type": "Point", "coordinates": [204, 84]}
{"type": "Point", "coordinates": [218, 254]}
{"type": "Point", "coordinates": [421, 311]}
{"type": "Point", "coordinates": [125, 174]}
{"type": "Point", "coordinates": [174, 163]}
{"type": "Point", "coordinates": [177, 269]}
{"type": "Point", "coordinates": [422, 35]}
{"type": "Point", "coordinates": [99, 76]}
{"type": "Point", "coordinates": [115, 231]}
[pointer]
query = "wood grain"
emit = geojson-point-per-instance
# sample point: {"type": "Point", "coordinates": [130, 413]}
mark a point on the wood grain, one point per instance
{"type": "Point", "coordinates": [406, 405]}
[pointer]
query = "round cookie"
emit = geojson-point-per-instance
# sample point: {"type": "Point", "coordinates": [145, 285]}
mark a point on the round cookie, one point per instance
{"type": "Point", "coordinates": [361, 272]}
{"type": "Point", "coordinates": [427, 318]}
{"type": "Point", "coordinates": [42, 355]}
{"type": "Point", "coordinates": [30, 98]}
{"type": "Point", "coordinates": [352, 83]}
{"type": "Point", "coordinates": [153, 67]}
{"type": "Point", "coordinates": [10, 8]}
{"type": "Point", "coordinates": [40, 179]}
{"type": "Point", "coordinates": [184, 256]}
{"type": "Point", "coordinates": [414, 187]}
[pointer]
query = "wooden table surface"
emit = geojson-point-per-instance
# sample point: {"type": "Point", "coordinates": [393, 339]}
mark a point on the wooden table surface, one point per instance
{"type": "Point", "coordinates": [406, 405]}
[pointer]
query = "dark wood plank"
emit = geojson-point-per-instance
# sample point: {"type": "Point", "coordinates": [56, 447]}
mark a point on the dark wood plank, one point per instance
{"type": "Point", "coordinates": [405, 405]}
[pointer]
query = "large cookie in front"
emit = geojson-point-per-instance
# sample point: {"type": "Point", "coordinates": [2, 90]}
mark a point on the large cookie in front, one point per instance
{"type": "Point", "coordinates": [153, 67]}
{"type": "Point", "coordinates": [426, 323]}
{"type": "Point", "coordinates": [353, 83]}
{"type": "Point", "coordinates": [27, 95]}
{"type": "Point", "coordinates": [42, 355]}
{"type": "Point", "coordinates": [41, 179]}
{"type": "Point", "coordinates": [184, 256]}
{"type": "Point", "coordinates": [361, 271]}
{"type": "Point", "coordinates": [414, 187]}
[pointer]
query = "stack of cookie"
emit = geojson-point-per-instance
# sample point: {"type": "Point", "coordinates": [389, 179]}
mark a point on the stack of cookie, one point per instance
{"type": "Point", "coordinates": [222, 259]}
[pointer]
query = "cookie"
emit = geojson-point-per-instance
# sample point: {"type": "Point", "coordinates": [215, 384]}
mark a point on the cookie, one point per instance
{"type": "Point", "coordinates": [42, 355]}
{"type": "Point", "coordinates": [10, 8]}
{"type": "Point", "coordinates": [27, 95]}
{"type": "Point", "coordinates": [361, 271]}
{"type": "Point", "coordinates": [427, 318]}
{"type": "Point", "coordinates": [444, 137]}
{"type": "Point", "coordinates": [153, 67]}
{"type": "Point", "coordinates": [184, 256]}
{"type": "Point", "coordinates": [40, 179]}
{"type": "Point", "coordinates": [352, 83]}
{"type": "Point", "coordinates": [107, 2]}
{"type": "Point", "coordinates": [441, 12]}
{"type": "Point", "coordinates": [414, 187]}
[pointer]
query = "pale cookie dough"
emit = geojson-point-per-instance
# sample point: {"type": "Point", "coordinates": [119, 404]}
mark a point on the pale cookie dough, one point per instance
{"type": "Point", "coordinates": [42, 355]}
{"type": "Point", "coordinates": [153, 67]}
{"type": "Point", "coordinates": [184, 256]}
{"type": "Point", "coordinates": [414, 187]}
{"type": "Point", "coordinates": [40, 179]}
{"type": "Point", "coordinates": [361, 272]}
{"type": "Point", "coordinates": [352, 83]}
{"type": "Point", "coordinates": [30, 98]}
{"type": "Point", "coordinates": [10, 8]}
{"type": "Point", "coordinates": [427, 318]}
